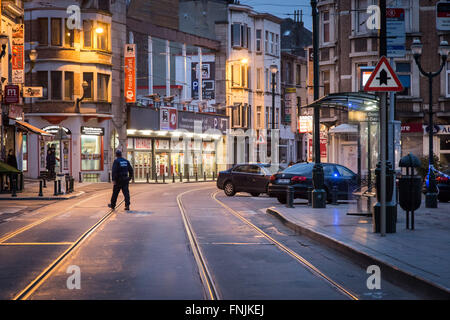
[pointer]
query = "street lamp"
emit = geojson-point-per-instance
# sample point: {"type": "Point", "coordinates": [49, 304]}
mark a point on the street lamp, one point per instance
{"type": "Point", "coordinates": [84, 85]}
{"type": "Point", "coordinates": [318, 195]}
{"type": "Point", "coordinates": [33, 56]}
{"type": "Point", "coordinates": [416, 49]}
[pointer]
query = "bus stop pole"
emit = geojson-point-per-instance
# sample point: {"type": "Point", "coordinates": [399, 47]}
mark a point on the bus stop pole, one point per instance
{"type": "Point", "coordinates": [383, 130]}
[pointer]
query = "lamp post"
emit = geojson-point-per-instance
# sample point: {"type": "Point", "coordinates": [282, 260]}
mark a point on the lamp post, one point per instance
{"type": "Point", "coordinates": [77, 107]}
{"type": "Point", "coordinates": [273, 70]}
{"type": "Point", "coordinates": [444, 48]}
{"type": "Point", "coordinates": [3, 42]}
{"type": "Point", "coordinates": [318, 194]}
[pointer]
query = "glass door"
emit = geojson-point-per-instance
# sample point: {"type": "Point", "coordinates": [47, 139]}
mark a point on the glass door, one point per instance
{"type": "Point", "coordinates": [142, 165]}
{"type": "Point", "coordinates": [162, 164]}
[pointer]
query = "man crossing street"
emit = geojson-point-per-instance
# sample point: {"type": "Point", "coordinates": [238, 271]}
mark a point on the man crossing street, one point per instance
{"type": "Point", "coordinates": [122, 173]}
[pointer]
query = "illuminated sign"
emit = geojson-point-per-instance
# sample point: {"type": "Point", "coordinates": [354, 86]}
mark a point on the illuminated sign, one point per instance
{"type": "Point", "coordinates": [93, 131]}
{"type": "Point", "coordinates": [305, 124]}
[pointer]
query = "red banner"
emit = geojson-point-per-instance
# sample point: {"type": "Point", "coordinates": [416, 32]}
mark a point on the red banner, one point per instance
{"type": "Point", "coordinates": [130, 73]}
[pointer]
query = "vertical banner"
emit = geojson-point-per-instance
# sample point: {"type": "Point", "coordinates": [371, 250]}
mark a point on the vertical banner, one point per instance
{"type": "Point", "coordinates": [18, 56]}
{"type": "Point", "coordinates": [130, 73]}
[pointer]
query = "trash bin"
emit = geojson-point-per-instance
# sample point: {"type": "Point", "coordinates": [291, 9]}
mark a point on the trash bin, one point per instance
{"type": "Point", "coordinates": [410, 188]}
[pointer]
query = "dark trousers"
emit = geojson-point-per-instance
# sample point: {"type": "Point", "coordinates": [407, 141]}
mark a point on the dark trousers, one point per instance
{"type": "Point", "coordinates": [126, 193]}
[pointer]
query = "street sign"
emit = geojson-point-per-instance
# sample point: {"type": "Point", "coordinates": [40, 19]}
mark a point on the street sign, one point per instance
{"type": "Point", "coordinates": [443, 16]}
{"type": "Point", "coordinates": [33, 92]}
{"type": "Point", "coordinates": [395, 32]}
{"type": "Point", "coordinates": [383, 78]}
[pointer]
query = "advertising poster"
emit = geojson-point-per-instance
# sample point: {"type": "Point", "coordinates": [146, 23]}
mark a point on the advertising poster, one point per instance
{"type": "Point", "coordinates": [18, 56]}
{"type": "Point", "coordinates": [130, 73]}
{"type": "Point", "coordinates": [208, 84]}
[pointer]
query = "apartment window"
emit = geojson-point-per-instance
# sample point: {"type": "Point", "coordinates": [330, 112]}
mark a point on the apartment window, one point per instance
{"type": "Point", "coordinates": [244, 38]}
{"type": "Point", "coordinates": [56, 85]}
{"type": "Point", "coordinates": [42, 81]}
{"type": "Point", "coordinates": [89, 78]}
{"type": "Point", "coordinates": [103, 5]}
{"type": "Point", "coordinates": [68, 85]}
{"type": "Point", "coordinates": [258, 117]}
{"type": "Point", "coordinates": [87, 33]}
{"type": "Point", "coordinates": [362, 15]}
{"type": "Point", "coordinates": [403, 70]}
{"type": "Point", "coordinates": [43, 31]}
{"type": "Point", "coordinates": [288, 73]}
{"type": "Point", "coordinates": [236, 115]}
{"type": "Point", "coordinates": [235, 75]}
{"type": "Point", "coordinates": [326, 82]}
{"type": "Point", "coordinates": [56, 31]}
{"type": "Point", "coordinates": [68, 36]}
{"type": "Point", "coordinates": [258, 78]}
{"type": "Point", "coordinates": [268, 118]}
{"type": "Point", "coordinates": [249, 38]}
{"type": "Point", "coordinates": [102, 86]}
{"type": "Point", "coordinates": [266, 78]}
{"type": "Point", "coordinates": [271, 40]}
{"type": "Point", "coordinates": [243, 77]}
{"type": "Point", "coordinates": [266, 45]}
{"type": "Point", "coordinates": [326, 26]}
{"type": "Point", "coordinates": [102, 36]}
{"type": "Point", "coordinates": [258, 40]}
{"type": "Point", "coordinates": [298, 75]}
{"type": "Point", "coordinates": [249, 77]}
{"type": "Point", "coordinates": [236, 34]}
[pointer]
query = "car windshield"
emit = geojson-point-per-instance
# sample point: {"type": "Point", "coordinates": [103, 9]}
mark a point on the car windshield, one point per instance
{"type": "Point", "coordinates": [303, 169]}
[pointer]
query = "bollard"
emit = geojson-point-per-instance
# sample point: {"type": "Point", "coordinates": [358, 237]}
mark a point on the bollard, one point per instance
{"type": "Point", "coordinates": [196, 176]}
{"type": "Point", "coordinates": [173, 177]}
{"type": "Point", "coordinates": [156, 178]}
{"type": "Point", "coordinates": [289, 197]}
{"type": "Point", "coordinates": [45, 183]}
{"type": "Point", "coordinates": [67, 185]}
{"type": "Point", "coordinates": [164, 178]}
{"type": "Point", "coordinates": [56, 188]}
{"type": "Point", "coordinates": [73, 185]}
{"type": "Point", "coordinates": [109, 176]}
{"type": "Point", "coordinates": [309, 195]}
{"type": "Point", "coordinates": [59, 187]}
{"type": "Point", "coordinates": [40, 189]}
{"type": "Point", "coordinates": [148, 180]}
{"type": "Point", "coordinates": [188, 177]}
{"type": "Point", "coordinates": [334, 195]}
{"type": "Point", "coordinates": [204, 176]}
{"type": "Point", "coordinates": [181, 177]}
{"type": "Point", "coordinates": [14, 187]}
{"type": "Point", "coordinates": [80, 180]}
{"type": "Point", "coordinates": [214, 175]}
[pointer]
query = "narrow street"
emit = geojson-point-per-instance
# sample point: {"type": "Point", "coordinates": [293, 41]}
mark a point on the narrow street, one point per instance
{"type": "Point", "coordinates": [147, 253]}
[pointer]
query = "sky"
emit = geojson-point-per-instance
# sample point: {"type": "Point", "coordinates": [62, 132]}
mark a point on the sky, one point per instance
{"type": "Point", "coordinates": [281, 8]}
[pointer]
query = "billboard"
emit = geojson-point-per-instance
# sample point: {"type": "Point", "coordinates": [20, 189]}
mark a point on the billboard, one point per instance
{"type": "Point", "coordinates": [208, 83]}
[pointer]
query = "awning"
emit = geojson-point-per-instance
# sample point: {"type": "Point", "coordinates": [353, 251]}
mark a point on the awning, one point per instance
{"type": "Point", "coordinates": [30, 128]}
{"type": "Point", "coordinates": [344, 128]}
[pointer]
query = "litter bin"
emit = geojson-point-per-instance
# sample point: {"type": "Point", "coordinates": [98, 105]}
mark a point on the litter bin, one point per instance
{"type": "Point", "coordinates": [410, 188]}
{"type": "Point", "coordinates": [391, 209]}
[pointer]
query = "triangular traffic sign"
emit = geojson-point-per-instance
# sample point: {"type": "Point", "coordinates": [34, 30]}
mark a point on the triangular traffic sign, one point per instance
{"type": "Point", "coordinates": [383, 78]}
{"type": "Point", "coordinates": [261, 139]}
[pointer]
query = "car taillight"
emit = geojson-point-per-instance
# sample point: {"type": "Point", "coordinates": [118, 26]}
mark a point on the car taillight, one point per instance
{"type": "Point", "coordinates": [298, 179]}
{"type": "Point", "coordinates": [442, 179]}
{"type": "Point", "coordinates": [272, 178]}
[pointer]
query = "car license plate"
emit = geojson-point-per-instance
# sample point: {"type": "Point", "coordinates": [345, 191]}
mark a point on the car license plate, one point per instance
{"type": "Point", "coordinates": [284, 181]}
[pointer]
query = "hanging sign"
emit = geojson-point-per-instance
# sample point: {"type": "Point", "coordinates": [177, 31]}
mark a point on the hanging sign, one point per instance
{"type": "Point", "coordinates": [18, 56]}
{"type": "Point", "coordinates": [130, 73]}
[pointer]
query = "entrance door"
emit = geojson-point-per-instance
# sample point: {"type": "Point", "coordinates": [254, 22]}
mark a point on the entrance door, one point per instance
{"type": "Point", "coordinates": [142, 165]}
{"type": "Point", "coordinates": [162, 163]}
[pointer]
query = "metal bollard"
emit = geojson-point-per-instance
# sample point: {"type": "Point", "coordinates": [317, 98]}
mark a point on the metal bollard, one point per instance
{"type": "Point", "coordinates": [334, 195]}
{"type": "Point", "coordinates": [80, 180]}
{"type": "Point", "coordinates": [67, 185]}
{"type": "Point", "coordinates": [181, 177]}
{"type": "Point", "coordinates": [156, 178]}
{"type": "Point", "coordinates": [40, 189]}
{"type": "Point", "coordinates": [14, 187]}
{"type": "Point", "coordinates": [188, 177]}
{"type": "Point", "coordinates": [214, 175]}
{"type": "Point", "coordinates": [148, 180]}
{"type": "Point", "coordinates": [45, 182]}
{"type": "Point", "coordinates": [59, 187]}
{"type": "Point", "coordinates": [289, 197]}
{"type": "Point", "coordinates": [196, 176]}
{"type": "Point", "coordinates": [109, 176]}
{"type": "Point", "coordinates": [173, 177]}
{"type": "Point", "coordinates": [56, 188]}
{"type": "Point", "coordinates": [164, 178]}
{"type": "Point", "coordinates": [309, 196]}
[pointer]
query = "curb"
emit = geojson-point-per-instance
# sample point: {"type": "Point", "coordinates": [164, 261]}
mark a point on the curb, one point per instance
{"type": "Point", "coordinates": [45, 198]}
{"type": "Point", "coordinates": [391, 273]}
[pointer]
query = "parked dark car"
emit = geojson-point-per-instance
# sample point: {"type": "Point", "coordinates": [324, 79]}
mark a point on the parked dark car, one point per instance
{"type": "Point", "coordinates": [251, 178]}
{"type": "Point", "coordinates": [443, 184]}
{"type": "Point", "coordinates": [299, 176]}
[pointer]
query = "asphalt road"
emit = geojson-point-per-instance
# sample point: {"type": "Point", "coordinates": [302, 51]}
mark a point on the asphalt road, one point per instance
{"type": "Point", "coordinates": [145, 253]}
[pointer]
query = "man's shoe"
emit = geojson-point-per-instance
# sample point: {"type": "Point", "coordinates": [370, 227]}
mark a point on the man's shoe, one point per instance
{"type": "Point", "coordinates": [127, 208]}
{"type": "Point", "coordinates": [111, 206]}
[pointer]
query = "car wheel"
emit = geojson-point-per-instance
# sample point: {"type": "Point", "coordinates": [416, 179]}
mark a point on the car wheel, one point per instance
{"type": "Point", "coordinates": [282, 199]}
{"type": "Point", "coordinates": [229, 189]}
{"type": "Point", "coordinates": [255, 194]}
{"type": "Point", "coordinates": [443, 199]}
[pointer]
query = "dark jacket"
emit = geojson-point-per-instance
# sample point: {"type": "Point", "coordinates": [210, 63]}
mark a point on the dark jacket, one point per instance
{"type": "Point", "coordinates": [12, 161]}
{"type": "Point", "coordinates": [51, 160]}
{"type": "Point", "coordinates": [122, 170]}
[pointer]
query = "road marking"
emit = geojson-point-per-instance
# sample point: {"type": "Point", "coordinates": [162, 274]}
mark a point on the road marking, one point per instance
{"type": "Point", "coordinates": [36, 243]}
{"type": "Point", "coordinates": [11, 210]}
{"type": "Point", "coordinates": [248, 212]}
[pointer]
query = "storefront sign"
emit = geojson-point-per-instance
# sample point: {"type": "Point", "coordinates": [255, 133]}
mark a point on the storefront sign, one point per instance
{"type": "Point", "coordinates": [15, 112]}
{"type": "Point", "coordinates": [130, 73]}
{"type": "Point", "coordinates": [208, 84]}
{"type": "Point", "coordinates": [142, 144]}
{"type": "Point", "coordinates": [168, 119]}
{"type": "Point", "coordinates": [93, 131]}
{"type": "Point", "coordinates": [187, 120]}
{"type": "Point", "coordinates": [32, 92]}
{"type": "Point", "coordinates": [162, 144]}
{"type": "Point", "coordinates": [12, 93]}
{"type": "Point", "coordinates": [18, 56]}
{"type": "Point", "coordinates": [55, 129]}
{"type": "Point", "coordinates": [411, 127]}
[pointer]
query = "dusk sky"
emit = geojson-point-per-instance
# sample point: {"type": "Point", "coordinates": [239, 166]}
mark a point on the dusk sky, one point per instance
{"type": "Point", "coordinates": [282, 8]}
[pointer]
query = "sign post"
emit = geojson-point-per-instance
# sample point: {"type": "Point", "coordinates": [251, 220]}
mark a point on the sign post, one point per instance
{"type": "Point", "coordinates": [383, 80]}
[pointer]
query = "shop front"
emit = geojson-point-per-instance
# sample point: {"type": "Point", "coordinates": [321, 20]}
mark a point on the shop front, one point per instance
{"type": "Point", "coordinates": [441, 143]}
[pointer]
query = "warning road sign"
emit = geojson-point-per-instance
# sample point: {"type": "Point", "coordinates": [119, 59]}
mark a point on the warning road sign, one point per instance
{"type": "Point", "coordinates": [383, 78]}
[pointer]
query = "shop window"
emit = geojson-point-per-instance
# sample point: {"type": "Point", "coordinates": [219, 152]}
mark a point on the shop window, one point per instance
{"type": "Point", "coordinates": [102, 32]}
{"type": "Point", "coordinates": [87, 33]}
{"type": "Point", "coordinates": [56, 83]}
{"type": "Point", "coordinates": [102, 87]}
{"type": "Point", "coordinates": [25, 152]}
{"type": "Point", "coordinates": [56, 31]}
{"type": "Point", "coordinates": [89, 78]}
{"type": "Point", "coordinates": [68, 85]}
{"type": "Point", "coordinates": [42, 81]}
{"type": "Point", "coordinates": [68, 36]}
{"type": "Point", "coordinates": [91, 153]}
{"type": "Point", "coordinates": [43, 31]}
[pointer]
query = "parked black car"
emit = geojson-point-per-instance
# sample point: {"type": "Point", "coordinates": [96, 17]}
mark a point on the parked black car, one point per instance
{"type": "Point", "coordinates": [443, 184]}
{"type": "Point", "coordinates": [299, 176]}
{"type": "Point", "coordinates": [250, 177]}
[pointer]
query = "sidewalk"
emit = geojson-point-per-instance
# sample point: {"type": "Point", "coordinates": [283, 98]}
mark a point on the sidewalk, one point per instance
{"type": "Point", "coordinates": [421, 257]}
{"type": "Point", "coordinates": [31, 191]}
